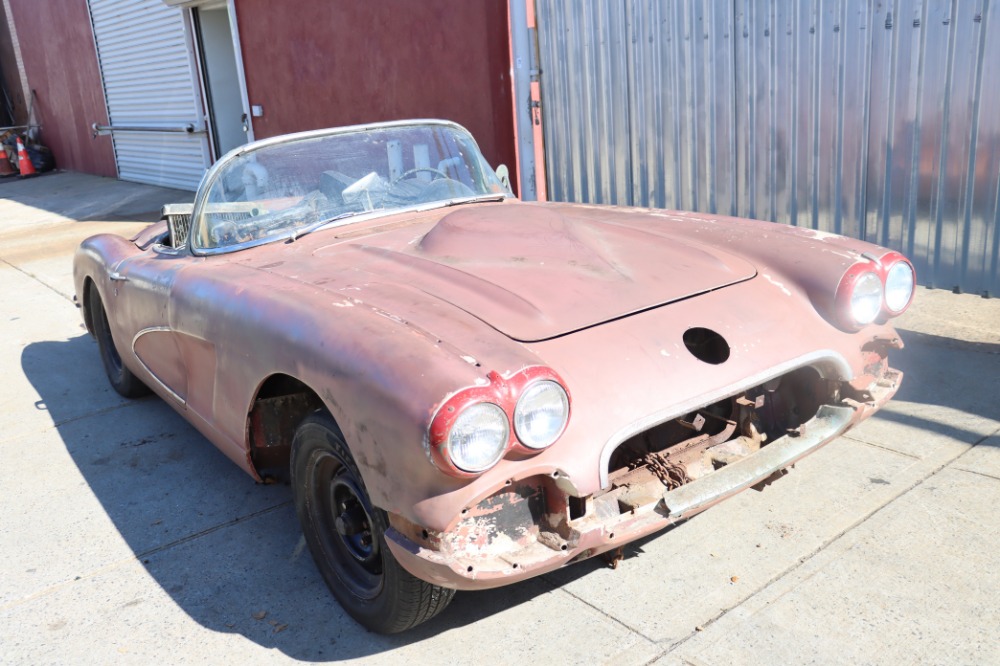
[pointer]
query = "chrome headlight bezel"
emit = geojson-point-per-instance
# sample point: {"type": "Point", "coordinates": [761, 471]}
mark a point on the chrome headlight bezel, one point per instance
{"type": "Point", "coordinates": [900, 281]}
{"type": "Point", "coordinates": [547, 394]}
{"type": "Point", "coordinates": [866, 298]}
{"type": "Point", "coordinates": [487, 421]}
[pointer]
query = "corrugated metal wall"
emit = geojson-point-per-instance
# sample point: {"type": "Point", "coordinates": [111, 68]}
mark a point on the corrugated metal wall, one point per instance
{"type": "Point", "coordinates": [879, 120]}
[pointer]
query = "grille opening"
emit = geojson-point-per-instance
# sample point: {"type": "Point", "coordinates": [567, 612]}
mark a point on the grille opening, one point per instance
{"type": "Point", "coordinates": [682, 449]}
{"type": "Point", "coordinates": [706, 345]}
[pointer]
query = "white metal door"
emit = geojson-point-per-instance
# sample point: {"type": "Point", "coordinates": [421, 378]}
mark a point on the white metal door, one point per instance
{"type": "Point", "coordinates": [150, 84]}
{"type": "Point", "coordinates": [220, 78]}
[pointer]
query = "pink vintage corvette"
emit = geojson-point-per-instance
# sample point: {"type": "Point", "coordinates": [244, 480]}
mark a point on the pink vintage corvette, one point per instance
{"type": "Point", "coordinates": [468, 390]}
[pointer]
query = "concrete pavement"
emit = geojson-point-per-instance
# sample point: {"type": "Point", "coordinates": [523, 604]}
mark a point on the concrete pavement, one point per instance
{"type": "Point", "coordinates": [125, 537]}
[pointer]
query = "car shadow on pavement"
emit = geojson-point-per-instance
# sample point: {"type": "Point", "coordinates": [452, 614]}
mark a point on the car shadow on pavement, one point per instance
{"type": "Point", "coordinates": [961, 376]}
{"type": "Point", "coordinates": [226, 550]}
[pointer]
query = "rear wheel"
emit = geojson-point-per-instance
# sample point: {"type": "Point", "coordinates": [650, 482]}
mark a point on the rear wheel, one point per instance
{"type": "Point", "coordinates": [121, 378]}
{"type": "Point", "coordinates": [345, 534]}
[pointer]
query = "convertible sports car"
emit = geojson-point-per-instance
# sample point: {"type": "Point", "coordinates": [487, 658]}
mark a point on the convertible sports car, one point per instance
{"type": "Point", "coordinates": [467, 390]}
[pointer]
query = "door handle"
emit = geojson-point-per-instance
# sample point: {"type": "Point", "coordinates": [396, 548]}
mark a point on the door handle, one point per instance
{"type": "Point", "coordinates": [118, 277]}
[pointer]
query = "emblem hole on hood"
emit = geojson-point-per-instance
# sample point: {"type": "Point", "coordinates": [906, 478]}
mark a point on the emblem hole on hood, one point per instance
{"type": "Point", "coordinates": [706, 345]}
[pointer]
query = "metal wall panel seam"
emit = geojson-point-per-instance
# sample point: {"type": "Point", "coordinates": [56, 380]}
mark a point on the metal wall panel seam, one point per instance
{"type": "Point", "coordinates": [629, 189]}
{"type": "Point", "coordinates": [970, 184]}
{"type": "Point", "coordinates": [937, 205]}
{"type": "Point", "coordinates": [793, 187]}
{"type": "Point", "coordinates": [910, 209]}
{"type": "Point", "coordinates": [879, 232]}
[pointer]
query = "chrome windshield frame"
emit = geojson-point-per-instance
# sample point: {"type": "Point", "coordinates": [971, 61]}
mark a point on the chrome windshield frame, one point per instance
{"type": "Point", "coordinates": [213, 172]}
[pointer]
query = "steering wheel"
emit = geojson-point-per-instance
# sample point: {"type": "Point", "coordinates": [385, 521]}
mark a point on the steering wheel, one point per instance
{"type": "Point", "coordinates": [224, 233]}
{"type": "Point", "coordinates": [418, 170]}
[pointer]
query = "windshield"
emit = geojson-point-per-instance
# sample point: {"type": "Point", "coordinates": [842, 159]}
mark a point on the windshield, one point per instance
{"type": "Point", "coordinates": [281, 189]}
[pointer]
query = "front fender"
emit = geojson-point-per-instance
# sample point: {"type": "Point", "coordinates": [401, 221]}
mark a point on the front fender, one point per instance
{"type": "Point", "coordinates": [95, 259]}
{"type": "Point", "coordinates": [380, 378]}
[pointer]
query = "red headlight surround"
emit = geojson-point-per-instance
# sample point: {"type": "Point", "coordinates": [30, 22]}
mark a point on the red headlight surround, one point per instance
{"type": "Point", "coordinates": [501, 391]}
{"type": "Point", "coordinates": [880, 266]}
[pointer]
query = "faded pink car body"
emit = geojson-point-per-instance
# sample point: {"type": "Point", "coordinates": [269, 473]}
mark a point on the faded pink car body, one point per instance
{"type": "Point", "coordinates": [385, 319]}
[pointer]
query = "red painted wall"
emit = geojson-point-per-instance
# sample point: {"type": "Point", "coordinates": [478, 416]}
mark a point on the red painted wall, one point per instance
{"type": "Point", "coordinates": [60, 61]}
{"type": "Point", "coordinates": [324, 63]}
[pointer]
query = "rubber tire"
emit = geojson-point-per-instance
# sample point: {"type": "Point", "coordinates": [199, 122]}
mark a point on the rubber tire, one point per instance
{"type": "Point", "coordinates": [121, 378]}
{"type": "Point", "coordinates": [402, 601]}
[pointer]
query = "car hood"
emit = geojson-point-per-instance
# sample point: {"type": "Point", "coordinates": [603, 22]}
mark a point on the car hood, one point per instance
{"type": "Point", "coordinates": [535, 272]}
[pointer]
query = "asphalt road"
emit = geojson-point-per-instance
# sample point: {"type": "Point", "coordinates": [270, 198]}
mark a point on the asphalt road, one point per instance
{"type": "Point", "coordinates": [125, 537]}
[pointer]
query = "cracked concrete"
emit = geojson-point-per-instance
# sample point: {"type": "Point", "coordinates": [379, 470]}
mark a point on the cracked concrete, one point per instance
{"type": "Point", "coordinates": [128, 538]}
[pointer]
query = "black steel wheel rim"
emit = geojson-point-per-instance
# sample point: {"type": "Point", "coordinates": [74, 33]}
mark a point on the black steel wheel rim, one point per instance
{"type": "Point", "coordinates": [343, 515]}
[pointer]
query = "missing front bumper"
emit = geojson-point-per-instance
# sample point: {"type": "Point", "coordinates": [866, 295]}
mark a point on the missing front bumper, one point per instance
{"type": "Point", "coordinates": [829, 422]}
{"type": "Point", "coordinates": [533, 526]}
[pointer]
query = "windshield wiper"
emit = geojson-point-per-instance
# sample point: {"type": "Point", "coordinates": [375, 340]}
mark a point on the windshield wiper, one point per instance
{"type": "Point", "coordinates": [475, 199]}
{"type": "Point", "coordinates": [299, 233]}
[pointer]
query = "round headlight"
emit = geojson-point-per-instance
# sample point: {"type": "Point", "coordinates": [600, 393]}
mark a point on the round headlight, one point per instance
{"type": "Point", "coordinates": [866, 298]}
{"type": "Point", "coordinates": [478, 437]}
{"type": "Point", "coordinates": [898, 286]}
{"type": "Point", "coordinates": [541, 414]}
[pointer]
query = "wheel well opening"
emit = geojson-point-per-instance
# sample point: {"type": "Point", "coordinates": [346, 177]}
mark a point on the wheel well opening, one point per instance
{"type": "Point", "coordinates": [281, 404]}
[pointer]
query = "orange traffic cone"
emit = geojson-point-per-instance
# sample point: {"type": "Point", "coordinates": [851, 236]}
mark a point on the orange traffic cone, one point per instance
{"type": "Point", "coordinates": [5, 168]}
{"type": "Point", "coordinates": [23, 161]}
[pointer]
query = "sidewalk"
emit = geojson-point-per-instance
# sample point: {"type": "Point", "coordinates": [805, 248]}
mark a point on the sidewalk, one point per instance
{"type": "Point", "coordinates": [128, 538]}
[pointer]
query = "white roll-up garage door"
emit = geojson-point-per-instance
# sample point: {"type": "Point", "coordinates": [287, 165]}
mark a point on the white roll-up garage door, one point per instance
{"type": "Point", "coordinates": [150, 84]}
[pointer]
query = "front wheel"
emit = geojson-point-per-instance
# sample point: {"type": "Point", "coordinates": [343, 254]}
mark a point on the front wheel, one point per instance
{"type": "Point", "coordinates": [345, 534]}
{"type": "Point", "coordinates": [121, 378]}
